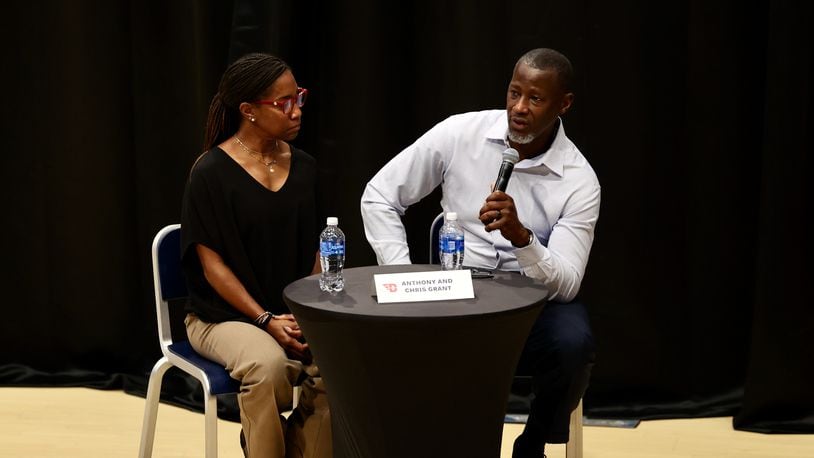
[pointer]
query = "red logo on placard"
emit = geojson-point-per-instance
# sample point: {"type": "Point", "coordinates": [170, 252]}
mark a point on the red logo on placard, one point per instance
{"type": "Point", "coordinates": [391, 287]}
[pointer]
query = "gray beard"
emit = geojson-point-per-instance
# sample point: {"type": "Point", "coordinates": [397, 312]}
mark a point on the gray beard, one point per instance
{"type": "Point", "coordinates": [521, 139]}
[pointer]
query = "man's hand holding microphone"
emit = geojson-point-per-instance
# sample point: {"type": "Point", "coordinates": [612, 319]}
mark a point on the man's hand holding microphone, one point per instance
{"type": "Point", "coordinates": [499, 211]}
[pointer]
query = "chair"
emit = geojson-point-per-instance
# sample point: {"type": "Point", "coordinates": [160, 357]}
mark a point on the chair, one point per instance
{"type": "Point", "coordinates": [169, 285]}
{"type": "Point", "coordinates": [573, 449]}
{"type": "Point", "coordinates": [434, 227]}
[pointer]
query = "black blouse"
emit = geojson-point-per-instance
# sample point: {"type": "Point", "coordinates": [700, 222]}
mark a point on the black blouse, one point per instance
{"type": "Point", "coordinates": [267, 238]}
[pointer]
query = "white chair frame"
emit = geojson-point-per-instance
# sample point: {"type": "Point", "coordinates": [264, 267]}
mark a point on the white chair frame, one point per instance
{"type": "Point", "coordinates": [168, 360]}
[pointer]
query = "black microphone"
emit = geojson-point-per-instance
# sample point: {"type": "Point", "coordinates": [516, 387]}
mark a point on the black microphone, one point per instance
{"type": "Point", "coordinates": [510, 157]}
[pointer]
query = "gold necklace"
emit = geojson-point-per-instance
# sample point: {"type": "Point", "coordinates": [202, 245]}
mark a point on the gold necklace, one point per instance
{"type": "Point", "coordinates": [256, 155]}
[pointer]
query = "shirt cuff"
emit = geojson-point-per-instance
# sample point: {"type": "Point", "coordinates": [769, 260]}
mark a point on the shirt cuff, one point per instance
{"type": "Point", "coordinates": [532, 254]}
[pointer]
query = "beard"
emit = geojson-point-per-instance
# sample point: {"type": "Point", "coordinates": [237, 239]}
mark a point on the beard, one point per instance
{"type": "Point", "coordinates": [521, 139]}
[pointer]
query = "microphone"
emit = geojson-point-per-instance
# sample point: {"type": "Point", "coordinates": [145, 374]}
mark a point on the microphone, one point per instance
{"type": "Point", "coordinates": [510, 157]}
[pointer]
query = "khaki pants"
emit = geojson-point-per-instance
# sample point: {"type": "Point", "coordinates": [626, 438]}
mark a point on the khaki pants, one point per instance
{"type": "Point", "coordinates": [266, 377]}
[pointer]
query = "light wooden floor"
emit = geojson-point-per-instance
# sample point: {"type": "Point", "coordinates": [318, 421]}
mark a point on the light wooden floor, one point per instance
{"type": "Point", "coordinates": [82, 422]}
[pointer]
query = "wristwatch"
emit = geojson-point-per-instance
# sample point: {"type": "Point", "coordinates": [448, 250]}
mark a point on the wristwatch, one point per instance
{"type": "Point", "coordinates": [528, 242]}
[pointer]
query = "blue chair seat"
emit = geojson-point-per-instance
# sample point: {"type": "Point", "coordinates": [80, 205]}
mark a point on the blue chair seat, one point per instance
{"type": "Point", "coordinates": [219, 380]}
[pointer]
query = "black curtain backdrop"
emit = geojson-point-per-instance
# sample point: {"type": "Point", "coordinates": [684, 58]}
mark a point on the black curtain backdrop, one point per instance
{"type": "Point", "coordinates": [695, 115]}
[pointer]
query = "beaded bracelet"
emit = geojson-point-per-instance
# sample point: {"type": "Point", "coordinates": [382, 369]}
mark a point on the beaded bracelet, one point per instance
{"type": "Point", "coordinates": [262, 320]}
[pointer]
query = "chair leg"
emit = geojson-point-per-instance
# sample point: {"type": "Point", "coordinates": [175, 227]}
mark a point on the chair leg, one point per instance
{"type": "Point", "coordinates": [573, 449]}
{"type": "Point", "coordinates": [151, 407]}
{"type": "Point", "coordinates": [211, 424]}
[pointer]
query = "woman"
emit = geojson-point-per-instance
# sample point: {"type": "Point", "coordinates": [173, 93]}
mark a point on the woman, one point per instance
{"type": "Point", "coordinates": [248, 228]}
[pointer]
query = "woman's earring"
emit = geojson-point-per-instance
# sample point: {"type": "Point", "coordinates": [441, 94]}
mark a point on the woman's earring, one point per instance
{"type": "Point", "coordinates": [252, 118]}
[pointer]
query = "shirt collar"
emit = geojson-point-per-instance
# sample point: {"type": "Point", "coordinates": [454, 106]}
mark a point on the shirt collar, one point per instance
{"type": "Point", "coordinates": [553, 159]}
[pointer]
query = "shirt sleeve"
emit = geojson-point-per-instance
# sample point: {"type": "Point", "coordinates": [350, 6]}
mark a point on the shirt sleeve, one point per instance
{"type": "Point", "coordinates": [199, 222]}
{"type": "Point", "coordinates": [406, 179]}
{"type": "Point", "coordinates": [561, 263]}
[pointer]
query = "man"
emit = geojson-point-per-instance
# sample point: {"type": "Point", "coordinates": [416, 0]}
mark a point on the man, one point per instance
{"type": "Point", "coordinates": [543, 225]}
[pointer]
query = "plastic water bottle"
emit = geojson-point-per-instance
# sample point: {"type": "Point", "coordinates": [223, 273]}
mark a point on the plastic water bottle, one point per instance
{"type": "Point", "coordinates": [332, 257]}
{"type": "Point", "coordinates": [451, 243]}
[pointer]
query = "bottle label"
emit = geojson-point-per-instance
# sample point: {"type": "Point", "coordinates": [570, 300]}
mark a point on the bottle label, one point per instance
{"type": "Point", "coordinates": [450, 245]}
{"type": "Point", "coordinates": [331, 248]}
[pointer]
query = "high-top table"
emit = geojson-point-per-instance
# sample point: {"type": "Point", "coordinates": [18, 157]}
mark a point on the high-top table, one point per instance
{"type": "Point", "coordinates": [420, 379]}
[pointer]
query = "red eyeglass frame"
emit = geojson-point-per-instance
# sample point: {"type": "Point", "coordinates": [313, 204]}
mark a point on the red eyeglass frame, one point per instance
{"type": "Point", "coordinates": [286, 104]}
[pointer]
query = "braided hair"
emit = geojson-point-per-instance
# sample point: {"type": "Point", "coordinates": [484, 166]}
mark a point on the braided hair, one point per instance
{"type": "Point", "coordinates": [243, 81]}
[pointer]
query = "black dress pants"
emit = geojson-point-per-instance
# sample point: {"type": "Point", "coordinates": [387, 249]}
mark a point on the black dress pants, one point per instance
{"type": "Point", "coordinates": [558, 355]}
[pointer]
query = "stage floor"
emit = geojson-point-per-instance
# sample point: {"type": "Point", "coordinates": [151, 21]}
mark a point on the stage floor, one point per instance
{"type": "Point", "coordinates": [83, 422]}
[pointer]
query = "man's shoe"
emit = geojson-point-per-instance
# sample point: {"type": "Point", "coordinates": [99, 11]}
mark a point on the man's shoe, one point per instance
{"type": "Point", "coordinates": [518, 451]}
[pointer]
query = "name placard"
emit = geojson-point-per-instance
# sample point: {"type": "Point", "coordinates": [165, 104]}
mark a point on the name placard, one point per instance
{"type": "Point", "coordinates": [424, 286]}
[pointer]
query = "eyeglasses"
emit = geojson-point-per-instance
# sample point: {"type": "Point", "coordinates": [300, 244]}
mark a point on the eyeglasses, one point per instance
{"type": "Point", "coordinates": [286, 104]}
